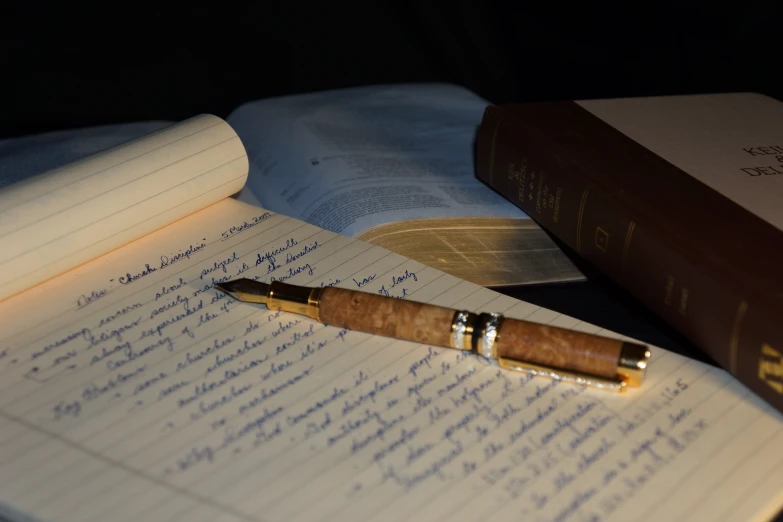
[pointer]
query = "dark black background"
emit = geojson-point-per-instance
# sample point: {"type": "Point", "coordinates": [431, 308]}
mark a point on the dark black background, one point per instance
{"type": "Point", "coordinates": [66, 65]}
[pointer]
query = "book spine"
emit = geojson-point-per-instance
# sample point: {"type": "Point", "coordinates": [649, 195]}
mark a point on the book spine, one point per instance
{"type": "Point", "coordinates": [556, 189]}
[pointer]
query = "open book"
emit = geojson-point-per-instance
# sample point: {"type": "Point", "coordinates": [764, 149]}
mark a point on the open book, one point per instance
{"type": "Point", "coordinates": [131, 390]}
{"type": "Point", "coordinates": [388, 164]}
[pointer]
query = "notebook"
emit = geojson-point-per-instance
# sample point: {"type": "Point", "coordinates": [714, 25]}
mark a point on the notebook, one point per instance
{"type": "Point", "coordinates": [131, 390]}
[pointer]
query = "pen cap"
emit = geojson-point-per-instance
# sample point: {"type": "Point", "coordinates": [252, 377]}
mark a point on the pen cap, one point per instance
{"type": "Point", "coordinates": [570, 350]}
{"type": "Point", "coordinates": [632, 366]}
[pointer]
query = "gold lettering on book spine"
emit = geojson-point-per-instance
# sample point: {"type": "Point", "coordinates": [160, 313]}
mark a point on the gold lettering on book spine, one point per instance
{"type": "Point", "coordinates": [492, 154]}
{"type": "Point", "coordinates": [668, 290]}
{"type": "Point", "coordinates": [684, 292]}
{"type": "Point", "coordinates": [579, 221]}
{"type": "Point", "coordinates": [601, 239]}
{"type": "Point", "coordinates": [627, 245]}
{"type": "Point", "coordinates": [735, 334]}
{"type": "Point", "coordinates": [771, 367]}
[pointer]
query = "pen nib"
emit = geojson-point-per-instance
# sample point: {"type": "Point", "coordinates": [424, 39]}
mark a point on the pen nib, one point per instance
{"type": "Point", "coordinates": [246, 290]}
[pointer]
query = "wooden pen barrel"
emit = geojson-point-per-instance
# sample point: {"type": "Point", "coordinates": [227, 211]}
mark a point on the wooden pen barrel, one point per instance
{"type": "Point", "coordinates": [429, 324]}
{"type": "Point", "coordinates": [559, 348]}
{"type": "Point", "coordinates": [377, 314]}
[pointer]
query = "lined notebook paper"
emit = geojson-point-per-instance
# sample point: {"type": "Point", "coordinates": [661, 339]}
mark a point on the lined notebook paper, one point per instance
{"type": "Point", "coordinates": [131, 390]}
{"type": "Point", "coordinates": [70, 215]}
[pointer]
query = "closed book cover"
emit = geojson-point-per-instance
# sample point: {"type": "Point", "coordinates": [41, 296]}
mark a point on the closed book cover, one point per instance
{"type": "Point", "coordinates": [679, 199]}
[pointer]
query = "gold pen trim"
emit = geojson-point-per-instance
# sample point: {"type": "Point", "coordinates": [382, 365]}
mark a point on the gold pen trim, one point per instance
{"type": "Point", "coordinates": [592, 381]}
{"type": "Point", "coordinates": [462, 329]}
{"type": "Point", "coordinates": [486, 344]}
{"type": "Point", "coordinates": [296, 299]}
{"type": "Point", "coordinates": [631, 369]}
{"type": "Point", "coordinates": [632, 364]}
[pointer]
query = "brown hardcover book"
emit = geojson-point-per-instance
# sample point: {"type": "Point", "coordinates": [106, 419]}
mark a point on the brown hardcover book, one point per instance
{"type": "Point", "coordinates": [679, 199]}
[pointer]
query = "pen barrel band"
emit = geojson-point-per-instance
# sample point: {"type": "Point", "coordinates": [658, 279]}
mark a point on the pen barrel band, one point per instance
{"type": "Point", "coordinates": [295, 299]}
{"type": "Point", "coordinates": [476, 332]}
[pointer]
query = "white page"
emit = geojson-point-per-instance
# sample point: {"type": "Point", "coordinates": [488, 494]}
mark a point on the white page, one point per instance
{"type": "Point", "coordinates": [165, 400]}
{"type": "Point", "coordinates": [350, 159]}
{"type": "Point", "coordinates": [62, 218]}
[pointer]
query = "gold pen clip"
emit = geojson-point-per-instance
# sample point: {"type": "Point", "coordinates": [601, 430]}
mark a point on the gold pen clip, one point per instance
{"type": "Point", "coordinates": [631, 369]}
{"type": "Point", "coordinates": [617, 385]}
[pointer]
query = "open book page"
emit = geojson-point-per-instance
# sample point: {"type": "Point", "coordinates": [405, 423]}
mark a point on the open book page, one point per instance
{"type": "Point", "coordinates": [490, 252]}
{"type": "Point", "coordinates": [166, 400]}
{"type": "Point", "coordinates": [347, 160]}
{"type": "Point", "coordinates": [67, 216]}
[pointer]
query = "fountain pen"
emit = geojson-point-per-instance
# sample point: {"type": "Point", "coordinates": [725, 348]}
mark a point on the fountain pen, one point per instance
{"type": "Point", "coordinates": [512, 344]}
